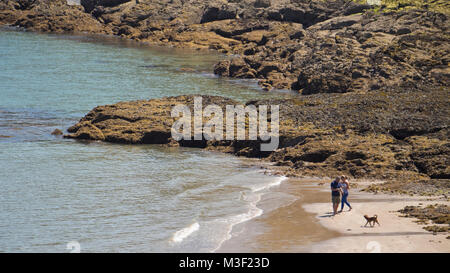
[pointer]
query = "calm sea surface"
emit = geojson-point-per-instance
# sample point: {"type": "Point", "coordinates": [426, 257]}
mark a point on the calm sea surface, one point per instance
{"type": "Point", "coordinates": [57, 193]}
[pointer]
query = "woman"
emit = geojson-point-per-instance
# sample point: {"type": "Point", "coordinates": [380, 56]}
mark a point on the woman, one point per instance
{"type": "Point", "coordinates": [345, 186]}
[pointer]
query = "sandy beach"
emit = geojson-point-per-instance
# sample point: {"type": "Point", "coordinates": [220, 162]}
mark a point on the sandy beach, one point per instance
{"type": "Point", "coordinates": [306, 224]}
{"type": "Point", "coordinates": [126, 125]}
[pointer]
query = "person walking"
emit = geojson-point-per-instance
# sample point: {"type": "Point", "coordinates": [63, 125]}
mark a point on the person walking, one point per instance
{"type": "Point", "coordinates": [345, 186]}
{"type": "Point", "coordinates": [335, 194]}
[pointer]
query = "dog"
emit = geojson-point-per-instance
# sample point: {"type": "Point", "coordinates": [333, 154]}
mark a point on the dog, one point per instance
{"type": "Point", "coordinates": [371, 220]}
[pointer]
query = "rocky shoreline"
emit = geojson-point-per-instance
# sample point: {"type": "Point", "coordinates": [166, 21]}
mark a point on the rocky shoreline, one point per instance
{"type": "Point", "coordinates": [309, 46]}
{"type": "Point", "coordinates": [374, 80]}
{"type": "Point", "coordinates": [389, 135]}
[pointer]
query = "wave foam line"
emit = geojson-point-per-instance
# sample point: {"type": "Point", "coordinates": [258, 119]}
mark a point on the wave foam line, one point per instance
{"type": "Point", "coordinates": [253, 212]}
{"type": "Point", "coordinates": [182, 234]}
{"type": "Point", "coordinates": [277, 182]}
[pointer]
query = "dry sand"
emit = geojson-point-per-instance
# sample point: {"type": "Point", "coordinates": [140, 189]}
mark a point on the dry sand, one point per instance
{"type": "Point", "coordinates": [395, 234]}
{"type": "Point", "coordinates": [305, 223]}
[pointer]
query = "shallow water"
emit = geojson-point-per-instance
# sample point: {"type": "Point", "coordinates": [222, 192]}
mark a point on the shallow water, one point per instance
{"type": "Point", "coordinates": [109, 197]}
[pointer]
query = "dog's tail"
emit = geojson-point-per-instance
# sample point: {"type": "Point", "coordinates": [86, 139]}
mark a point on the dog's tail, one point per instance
{"type": "Point", "coordinates": [376, 216]}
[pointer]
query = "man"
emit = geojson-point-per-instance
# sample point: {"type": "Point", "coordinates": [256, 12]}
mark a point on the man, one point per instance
{"type": "Point", "coordinates": [335, 194]}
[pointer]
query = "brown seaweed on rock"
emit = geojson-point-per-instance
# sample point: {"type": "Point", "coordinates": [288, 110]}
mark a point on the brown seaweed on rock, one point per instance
{"type": "Point", "coordinates": [375, 80]}
{"type": "Point", "coordinates": [390, 134]}
{"type": "Point", "coordinates": [310, 46]}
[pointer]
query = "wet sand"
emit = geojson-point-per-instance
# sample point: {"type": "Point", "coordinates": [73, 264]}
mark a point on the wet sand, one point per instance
{"type": "Point", "coordinates": [287, 228]}
{"type": "Point", "coordinates": [305, 224]}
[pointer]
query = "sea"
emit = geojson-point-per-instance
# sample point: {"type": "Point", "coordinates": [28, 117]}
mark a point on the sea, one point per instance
{"type": "Point", "coordinates": [63, 195]}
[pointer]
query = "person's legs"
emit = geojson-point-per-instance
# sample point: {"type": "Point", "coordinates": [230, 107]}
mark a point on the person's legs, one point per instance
{"type": "Point", "coordinates": [345, 201]}
{"type": "Point", "coordinates": [336, 200]}
{"type": "Point", "coordinates": [333, 204]}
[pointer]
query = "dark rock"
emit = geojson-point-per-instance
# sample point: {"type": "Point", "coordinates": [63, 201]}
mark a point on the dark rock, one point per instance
{"type": "Point", "coordinates": [262, 3]}
{"type": "Point", "coordinates": [222, 68]}
{"type": "Point", "coordinates": [89, 5]}
{"type": "Point", "coordinates": [316, 156]}
{"type": "Point", "coordinates": [57, 132]}
{"type": "Point", "coordinates": [215, 12]}
{"type": "Point", "coordinates": [25, 4]}
{"type": "Point", "coordinates": [353, 8]}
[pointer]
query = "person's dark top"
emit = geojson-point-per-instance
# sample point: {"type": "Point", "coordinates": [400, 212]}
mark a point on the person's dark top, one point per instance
{"type": "Point", "coordinates": [335, 185]}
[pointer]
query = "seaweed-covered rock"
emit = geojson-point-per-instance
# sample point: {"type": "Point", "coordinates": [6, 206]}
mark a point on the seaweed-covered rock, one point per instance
{"type": "Point", "coordinates": [319, 134]}
{"type": "Point", "coordinates": [334, 46]}
{"type": "Point", "coordinates": [375, 80]}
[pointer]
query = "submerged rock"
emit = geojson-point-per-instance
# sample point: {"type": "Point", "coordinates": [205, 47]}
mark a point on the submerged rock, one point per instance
{"type": "Point", "coordinates": [57, 132]}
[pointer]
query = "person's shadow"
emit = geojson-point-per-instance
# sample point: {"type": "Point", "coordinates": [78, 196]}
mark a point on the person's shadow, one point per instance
{"type": "Point", "coordinates": [328, 214]}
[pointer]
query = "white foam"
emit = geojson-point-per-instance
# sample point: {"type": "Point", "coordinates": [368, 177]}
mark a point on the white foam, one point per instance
{"type": "Point", "coordinates": [277, 182]}
{"type": "Point", "coordinates": [253, 211]}
{"type": "Point", "coordinates": [182, 234]}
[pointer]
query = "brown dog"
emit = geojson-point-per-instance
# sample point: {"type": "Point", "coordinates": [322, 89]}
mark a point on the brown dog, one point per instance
{"type": "Point", "coordinates": [371, 220]}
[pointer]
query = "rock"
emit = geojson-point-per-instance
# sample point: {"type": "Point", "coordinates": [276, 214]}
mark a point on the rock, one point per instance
{"type": "Point", "coordinates": [135, 122]}
{"type": "Point", "coordinates": [334, 46]}
{"type": "Point", "coordinates": [441, 75]}
{"type": "Point", "coordinates": [353, 8]}
{"type": "Point", "coordinates": [240, 69]}
{"type": "Point", "coordinates": [320, 134]}
{"type": "Point", "coordinates": [87, 131]}
{"type": "Point", "coordinates": [216, 11]}
{"type": "Point", "coordinates": [89, 5]}
{"type": "Point", "coordinates": [430, 156]}
{"type": "Point", "coordinates": [25, 4]}
{"type": "Point", "coordinates": [49, 16]}
{"type": "Point", "coordinates": [222, 68]}
{"type": "Point", "coordinates": [375, 83]}
{"type": "Point", "coordinates": [339, 22]}
{"type": "Point", "coordinates": [262, 3]}
{"type": "Point", "coordinates": [57, 132]}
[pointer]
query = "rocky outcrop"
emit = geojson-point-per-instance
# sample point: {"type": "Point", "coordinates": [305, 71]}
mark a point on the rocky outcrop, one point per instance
{"type": "Point", "coordinates": [319, 135]}
{"type": "Point", "coordinates": [49, 16]}
{"type": "Point", "coordinates": [376, 78]}
{"type": "Point", "coordinates": [309, 46]}
{"type": "Point", "coordinates": [138, 122]}
{"type": "Point", "coordinates": [352, 53]}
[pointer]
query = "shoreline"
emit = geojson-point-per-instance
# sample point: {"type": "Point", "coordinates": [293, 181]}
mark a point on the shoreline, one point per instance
{"type": "Point", "coordinates": [250, 31]}
{"type": "Point", "coordinates": [277, 229]}
{"type": "Point", "coordinates": [313, 207]}
{"type": "Point", "coordinates": [305, 225]}
{"type": "Point", "coordinates": [362, 160]}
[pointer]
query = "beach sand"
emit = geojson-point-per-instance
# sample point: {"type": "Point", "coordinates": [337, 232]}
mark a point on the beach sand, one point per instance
{"type": "Point", "coordinates": [305, 224]}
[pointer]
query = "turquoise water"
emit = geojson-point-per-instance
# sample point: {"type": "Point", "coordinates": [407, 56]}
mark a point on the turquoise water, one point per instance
{"type": "Point", "coordinates": [109, 197]}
